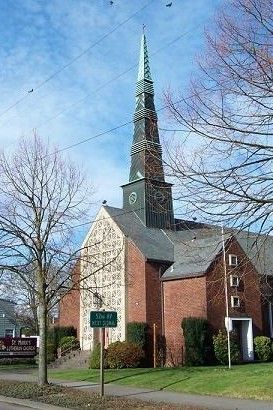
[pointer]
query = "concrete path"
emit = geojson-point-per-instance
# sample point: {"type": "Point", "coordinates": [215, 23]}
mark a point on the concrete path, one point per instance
{"type": "Point", "coordinates": [209, 402]}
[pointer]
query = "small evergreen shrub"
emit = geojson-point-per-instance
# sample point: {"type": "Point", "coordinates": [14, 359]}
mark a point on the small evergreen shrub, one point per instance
{"type": "Point", "coordinates": [69, 343]}
{"type": "Point", "coordinates": [263, 348]}
{"type": "Point", "coordinates": [198, 342]}
{"type": "Point", "coordinates": [220, 344]}
{"type": "Point", "coordinates": [51, 352]}
{"type": "Point", "coordinates": [95, 358]}
{"type": "Point", "coordinates": [55, 334]}
{"type": "Point", "coordinates": [136, 333]}
{"type": "Point", "coordinates": [124, 354]}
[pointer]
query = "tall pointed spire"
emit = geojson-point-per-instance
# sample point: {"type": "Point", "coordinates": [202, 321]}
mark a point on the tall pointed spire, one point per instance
{"type": "Point", "coordinates": [144, 67]}
{"type": "Point", "coordinates": [146, 138]}
{"type": "Point", "coordinates": [147, 193]}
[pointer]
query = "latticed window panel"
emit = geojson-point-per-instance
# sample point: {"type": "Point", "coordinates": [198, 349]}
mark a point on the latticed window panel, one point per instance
{"type": "Point", "coordinates": [103, 279]}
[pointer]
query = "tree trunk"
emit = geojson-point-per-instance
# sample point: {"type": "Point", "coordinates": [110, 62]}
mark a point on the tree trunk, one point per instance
{"type": "Point", "coordinates": [42, 317]}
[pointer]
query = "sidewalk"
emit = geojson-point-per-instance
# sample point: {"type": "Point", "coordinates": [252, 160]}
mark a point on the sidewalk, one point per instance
{"type": "Point", "coordinates": [210, 402]}
{"type": "Point", "coordinates": [29, 404]}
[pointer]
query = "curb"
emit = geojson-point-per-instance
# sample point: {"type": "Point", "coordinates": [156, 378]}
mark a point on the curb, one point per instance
{"type": "Point", "coordinates": [30, 403]}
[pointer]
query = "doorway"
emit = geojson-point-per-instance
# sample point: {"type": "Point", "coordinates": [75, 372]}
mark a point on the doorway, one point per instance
{"type": "Point", "coordinates": [243, 328]}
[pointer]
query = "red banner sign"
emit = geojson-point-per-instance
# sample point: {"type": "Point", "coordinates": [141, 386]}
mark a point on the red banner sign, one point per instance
{"type": "Point", "coordinates": [18, 346]}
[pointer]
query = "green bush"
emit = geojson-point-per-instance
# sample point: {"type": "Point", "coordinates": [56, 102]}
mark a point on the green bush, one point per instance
{"type": "Point", "coordinates": [124, 354]}
{"type": "Point", "coordinates": [263, 348]}
{"type": "Point", "coordinates": [55, 334]}
{"type": "Point", "coordinates": [95, 358]}
{"type": "Point", "coordinates": [69, 343]}
{"type": "Point", "coordinates": [220, 344]}
{"type": "Point", "coordinates": [136, 333]}
{"type": "Point", "coordinates": [51, 352]}
{"type": "Point", "coordinates": [198, 342]}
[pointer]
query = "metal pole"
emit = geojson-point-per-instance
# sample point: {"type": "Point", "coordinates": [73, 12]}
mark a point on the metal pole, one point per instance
{"type": "Point", "coordinates": [226, 296]}
{"type": "Point", "coordinates": [102, 342]}
{"type": "Point", "coordinates": [154, 344]}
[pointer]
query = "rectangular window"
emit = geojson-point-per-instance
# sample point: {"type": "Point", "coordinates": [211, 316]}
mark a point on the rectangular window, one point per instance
{"type": "Point", "coordinates": [232, 260]}
{"type": "Point", "coordinates": [9, 333]}
{"type": "Point", "coordinates": [235, 301]}
{"type": "Point", "coordinates": [234, 281]}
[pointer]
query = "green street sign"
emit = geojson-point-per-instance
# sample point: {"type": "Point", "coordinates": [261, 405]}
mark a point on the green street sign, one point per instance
{"type": "Point", "coordinates": [103, 319]}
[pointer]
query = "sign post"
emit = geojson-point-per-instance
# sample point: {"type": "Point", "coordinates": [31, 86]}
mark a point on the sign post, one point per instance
{"type": "Point", "coordinates": [102, 319]}
{"type": "Point", "coordinates": [102, 343]}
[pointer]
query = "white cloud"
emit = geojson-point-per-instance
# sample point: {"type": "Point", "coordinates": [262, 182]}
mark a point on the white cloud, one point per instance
{"type": "Point", "coordinates": [38, 38]}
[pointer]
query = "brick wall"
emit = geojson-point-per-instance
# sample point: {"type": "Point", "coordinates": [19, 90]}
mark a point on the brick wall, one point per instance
{"type": "Point", "coordinates": [143, 294]}
{"type": "Point", "coordinates": [69, 306]}
{"type": "Point", "coordinates": [182, 298]}
{"type": "Point", "coordinates": [136, 286]}
{"type": "Point", "coordinates": [144, 289]}
{"type": "Point", "coordinates": [248, 290]}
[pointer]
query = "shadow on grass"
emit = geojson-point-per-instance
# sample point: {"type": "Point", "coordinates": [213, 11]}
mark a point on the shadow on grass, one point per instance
{"type": "Point", "coordinates": [146, 372]}
{"type": "Point", "coordinates": [173, 383]}
{"type": "Point", "coordinates": [127, 376]}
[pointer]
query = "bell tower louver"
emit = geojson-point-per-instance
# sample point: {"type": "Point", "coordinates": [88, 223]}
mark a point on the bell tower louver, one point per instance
{"type": "Point", "coordinates": [147, 193]}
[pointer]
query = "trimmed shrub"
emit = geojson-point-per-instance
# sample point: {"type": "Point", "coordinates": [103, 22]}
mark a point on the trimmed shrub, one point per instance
{"type": "Point", "coordinates": [221, 347]}
{"type": "Point", "coordinates": [198, 342]}
{"type": "Point", "coordinates": [124, 354]}
{"type": "Point", "coordinates": [263, 348]}
{"type": "Point", "coordinates": [95, 358]}
{"type": "Point", "coordinates": [55, 334]}
{"type": "Point", "coordinates": [69, 342]}
{"type": "Point", "coordinates": [51, 352]}
{"type": "Point", "coordinates": [136, 333]}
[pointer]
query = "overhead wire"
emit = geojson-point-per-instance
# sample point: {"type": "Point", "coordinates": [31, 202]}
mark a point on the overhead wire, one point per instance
{"type": "Point", "coordinates": [125, 123]}
{"type": "Point", "coordinates": [81, 100]}
{"type": "Point", "coordinates": [72, 60]}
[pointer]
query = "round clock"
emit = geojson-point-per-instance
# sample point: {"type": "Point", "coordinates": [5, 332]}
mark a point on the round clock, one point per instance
{"type": "Point", "coordinates": [159, 196]}
{"type": "Point", "coordinates": [132, 198]}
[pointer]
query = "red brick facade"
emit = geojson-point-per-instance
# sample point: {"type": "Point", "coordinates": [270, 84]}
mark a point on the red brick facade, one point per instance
{"type": "Point", "coordinates": [182, 298]}
{"type": "Point", "coordinates": [164, 304]}
{"type": "Point", "coordinates": [248, 290]}
{"type": "Point", "coordinates": [143, 296]}
{"type": "Point", "coordinates": [69, 306]}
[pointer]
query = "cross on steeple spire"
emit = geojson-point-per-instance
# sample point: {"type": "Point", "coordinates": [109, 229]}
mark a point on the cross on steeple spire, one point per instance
{"type": "Point", "coordinates": [147, 187]}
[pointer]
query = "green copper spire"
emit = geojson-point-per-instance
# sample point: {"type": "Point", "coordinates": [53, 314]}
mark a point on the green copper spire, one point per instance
{"type": "Point", "coordinates": [144, 68]}
{"type": "Point", "coordinates": [147, 193]}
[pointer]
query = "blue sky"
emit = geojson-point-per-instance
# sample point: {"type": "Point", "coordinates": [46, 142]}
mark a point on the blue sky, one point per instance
{"type": "Point", "coordinates": [56, 48]}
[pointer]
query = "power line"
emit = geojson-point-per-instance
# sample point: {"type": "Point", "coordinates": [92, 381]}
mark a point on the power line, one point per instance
{"type": "Point", "coordinates": [80, 101]}
{"type": "Point", "coordinates": [109, 130]}
{"type": "Point", "coordinates": [93, 137]}
{"type": "Point", "coordinates": [71, 61]}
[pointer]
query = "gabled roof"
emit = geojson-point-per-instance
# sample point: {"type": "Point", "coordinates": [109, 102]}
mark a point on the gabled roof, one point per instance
{"type": "Point", "coordinates": [259, 250]}
{"type": "Point", "coordinates": [153, 243]}
{"type": "Point", "coordinates": [191, 250]}
{"type": "Point", "coordinates": [192, 257]}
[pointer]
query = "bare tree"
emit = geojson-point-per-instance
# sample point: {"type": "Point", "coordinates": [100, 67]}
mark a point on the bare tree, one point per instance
{"type": "Point", "coordinates": [42, 198]}
{"type": "Point", "coordinates": [14, 288]}
{"type": "Point", "coordinates": [223, 166]}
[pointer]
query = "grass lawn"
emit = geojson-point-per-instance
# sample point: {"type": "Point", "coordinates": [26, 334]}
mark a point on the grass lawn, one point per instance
{"type": "Point", "coordinates": [242, 381]}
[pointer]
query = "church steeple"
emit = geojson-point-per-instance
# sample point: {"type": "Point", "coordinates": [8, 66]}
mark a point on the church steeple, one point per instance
{"type": "Point", "coordinates": [144, 67]}
{"type": "Point", "coordinates": [147, 193]}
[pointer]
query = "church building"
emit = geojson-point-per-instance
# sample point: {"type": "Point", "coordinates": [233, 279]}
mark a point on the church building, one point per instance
{"type": "Point", "coordinates": [149, 266]}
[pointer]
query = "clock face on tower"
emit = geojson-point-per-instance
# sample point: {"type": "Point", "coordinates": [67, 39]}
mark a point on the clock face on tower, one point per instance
{"type": "Point", "coordinates": [159, 196]}
{"type": "Point", "coordinates": [132, 198]}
